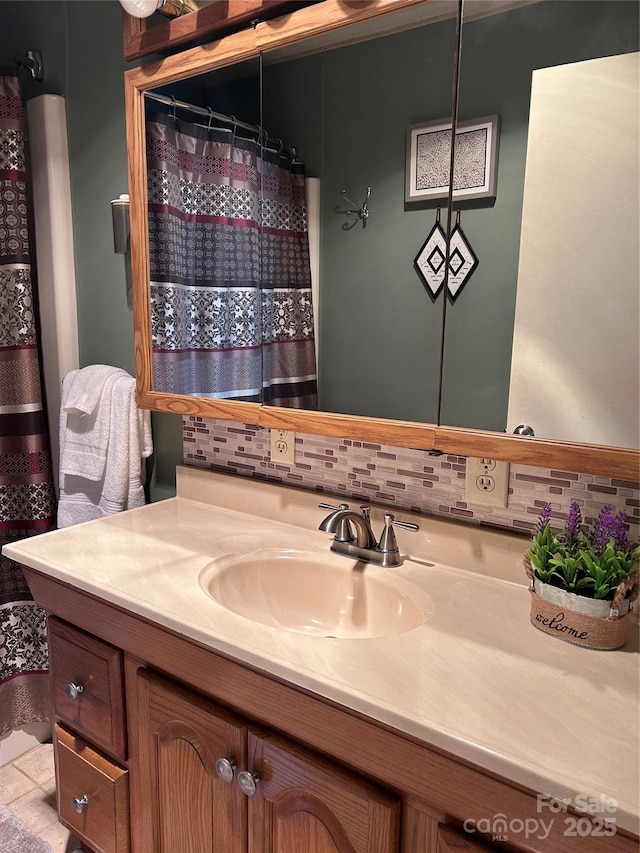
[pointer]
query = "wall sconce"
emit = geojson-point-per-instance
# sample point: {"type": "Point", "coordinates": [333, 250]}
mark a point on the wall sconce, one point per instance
{"type": "Point", "coordinates": [170, 8]}
{"type": "Point", "coordinates": [120, 217]}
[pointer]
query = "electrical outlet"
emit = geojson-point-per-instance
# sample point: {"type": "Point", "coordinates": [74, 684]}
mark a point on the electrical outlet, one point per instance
{"type": "Point", "coordinates": [487, 482]}
{"type": "Point", "coordinates": [283, 446]}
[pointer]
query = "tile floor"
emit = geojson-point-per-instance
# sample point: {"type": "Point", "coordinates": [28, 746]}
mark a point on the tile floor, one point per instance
{"type": "Point", "coordinates": [28, 788]}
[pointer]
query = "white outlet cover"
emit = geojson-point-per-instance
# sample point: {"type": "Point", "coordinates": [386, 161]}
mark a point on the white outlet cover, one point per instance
{"type": "Point", "coordinates": [283, 446]}
{"type": "Point", "coordinates": [498, 471]}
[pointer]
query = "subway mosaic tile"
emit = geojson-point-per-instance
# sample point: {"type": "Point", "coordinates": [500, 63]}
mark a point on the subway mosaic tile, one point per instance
{"type": "Point", "coordinates": [600, 487]}
{"type": "Point", "coordinates": [403, 478]}
{"type": "Point", "coordinates": [623, 484]}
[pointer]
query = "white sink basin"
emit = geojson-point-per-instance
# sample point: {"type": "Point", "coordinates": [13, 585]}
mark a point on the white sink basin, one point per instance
{"type": "Point", "coordinates": [325, 595]}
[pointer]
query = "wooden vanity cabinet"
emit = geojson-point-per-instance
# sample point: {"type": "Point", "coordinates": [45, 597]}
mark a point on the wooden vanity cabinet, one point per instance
{"type": "Point", "coordinates": [87, 689]}
{"type": "Point", "coordinates": [330, 780]}
{"type": "Point", "coordinates": [291, 800]}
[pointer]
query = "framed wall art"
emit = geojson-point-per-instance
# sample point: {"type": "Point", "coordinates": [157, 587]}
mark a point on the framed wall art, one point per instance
{"type": "Point", "coordinates": [429, 154]}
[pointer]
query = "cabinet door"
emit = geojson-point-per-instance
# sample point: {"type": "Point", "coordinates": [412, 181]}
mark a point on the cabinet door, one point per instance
{"type": "Point", "coordinates": [304, 803]}
{"type": "Point", "coordinates": [189, 807]}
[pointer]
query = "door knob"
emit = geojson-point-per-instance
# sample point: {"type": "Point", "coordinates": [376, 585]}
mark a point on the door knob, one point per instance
{"type": "Point", "coordinates": [225, 768]}
{"type": "Point", "coordinates": [73, 690]}
{"type": "Point", "coordinates": [79, 803]}
{"type": "Point", "coordinates": [248, 782]}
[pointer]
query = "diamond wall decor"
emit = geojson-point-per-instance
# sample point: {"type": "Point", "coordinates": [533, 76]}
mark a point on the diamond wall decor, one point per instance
{"type": "Point", "coordinates": [431, 258]}
{"type": "Point", "coordinates": [430, 261]}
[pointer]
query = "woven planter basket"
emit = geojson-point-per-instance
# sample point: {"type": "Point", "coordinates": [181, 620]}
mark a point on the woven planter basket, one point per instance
{"type": "Point", "coordinates": [604, 633]}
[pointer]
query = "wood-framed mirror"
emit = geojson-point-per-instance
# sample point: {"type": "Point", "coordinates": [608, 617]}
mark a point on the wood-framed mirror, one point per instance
{"type": "Point", "coordinates": [304, 28]}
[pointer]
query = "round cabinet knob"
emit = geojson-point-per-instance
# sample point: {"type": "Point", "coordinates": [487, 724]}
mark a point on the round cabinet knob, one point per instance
{"type": "Point", "coordinates": [225, 768]}
{"type": "Point", "coordinates": [79, 803]}
{"type": "Point", "coordinates": [73, 690]}
{"type": "Point", "coordinates": [248, 782]}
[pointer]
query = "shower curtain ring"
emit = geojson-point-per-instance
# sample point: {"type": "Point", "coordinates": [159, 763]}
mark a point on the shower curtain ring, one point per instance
{"type": "Point", "coordinates": [210, 111]}
{"type": "Point", "coordinates": [173, 107]}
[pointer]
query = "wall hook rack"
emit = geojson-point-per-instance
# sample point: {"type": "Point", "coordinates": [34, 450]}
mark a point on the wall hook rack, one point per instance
{"type": "Point", "coordinates": [359, 214]}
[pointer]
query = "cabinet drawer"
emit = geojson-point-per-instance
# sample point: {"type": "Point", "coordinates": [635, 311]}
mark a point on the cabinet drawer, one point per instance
{"type": "Point", "coordinates": [87, 685]}
{"type": "Point", "coordinates": [93, 794]}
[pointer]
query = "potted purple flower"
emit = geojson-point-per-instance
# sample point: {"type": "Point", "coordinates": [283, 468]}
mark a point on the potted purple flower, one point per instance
{"type": "Point", "coordinates": [584, 580]}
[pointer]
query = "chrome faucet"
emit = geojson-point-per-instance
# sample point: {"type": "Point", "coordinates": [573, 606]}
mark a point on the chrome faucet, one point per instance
{"type": "Point", "coordinates": [364, 545]}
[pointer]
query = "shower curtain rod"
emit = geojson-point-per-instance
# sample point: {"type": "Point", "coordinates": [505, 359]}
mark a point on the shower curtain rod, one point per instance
{"type": "Point", "coordinates": [212, 114]}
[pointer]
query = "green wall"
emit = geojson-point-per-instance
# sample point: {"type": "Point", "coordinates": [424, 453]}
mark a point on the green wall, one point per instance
{"type": "Point", "coordinates": [81, 44]}
{"type": "Point", "coordinates": [498, 58]}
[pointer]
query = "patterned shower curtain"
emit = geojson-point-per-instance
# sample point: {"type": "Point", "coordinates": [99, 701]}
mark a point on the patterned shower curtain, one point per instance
{"type": "Point", "coordinates": [27, 494]}
{"type": "Point", "coordinates": [232, 316]}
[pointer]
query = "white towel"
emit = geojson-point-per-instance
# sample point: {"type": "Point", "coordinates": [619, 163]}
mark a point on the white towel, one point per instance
{"type": "Point", "coordinates": [86, 412]}
{"type": "Point", "coordinates": [128, 443]}
{"type": "Point", "coordinates": [85, 388]}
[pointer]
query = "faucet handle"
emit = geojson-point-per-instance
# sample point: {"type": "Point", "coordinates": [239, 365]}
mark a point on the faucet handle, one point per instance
{"type": "Point", "coordinates": [408, 525]}
{"type": "Point", "coordinates": [388, 543]}
{"type": "Point", "coordinates": [343, 533]}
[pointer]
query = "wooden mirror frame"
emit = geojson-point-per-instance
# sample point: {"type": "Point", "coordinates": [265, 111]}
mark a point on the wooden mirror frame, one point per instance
{"type": "Point", "coordinates": [138, 39]}
{"type": "Point", "coordinates": [308, 22]}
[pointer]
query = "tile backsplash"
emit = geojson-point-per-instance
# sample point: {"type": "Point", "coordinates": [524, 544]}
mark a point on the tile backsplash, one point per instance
{"type": "Point", "coordinates": [401, 477]}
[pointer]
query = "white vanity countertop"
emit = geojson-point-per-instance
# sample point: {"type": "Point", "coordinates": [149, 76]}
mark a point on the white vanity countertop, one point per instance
{"type": "Point", "coordinates": [477, 679]}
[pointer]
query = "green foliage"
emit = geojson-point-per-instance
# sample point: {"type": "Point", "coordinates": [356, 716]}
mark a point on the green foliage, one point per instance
{"type": "Point", "coordinates": [607, 570]}
{"type": "Point", "coordinates": [591, 562]}
{"type": "Point", "coordinates": [543, 547]}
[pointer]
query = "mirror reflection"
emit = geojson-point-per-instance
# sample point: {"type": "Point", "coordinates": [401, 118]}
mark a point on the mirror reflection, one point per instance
{"type": "Point", "coordinates": [346, 111]}
{"type": "Point", "coordinates": [231, 310]}
{"type": "Point", "coordinates": [375, 279]}
{"type": "Point", "coordinates": [566, 268]}
{"type": "Point", "coordinates": [379, 327]}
